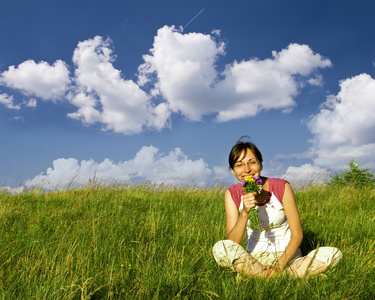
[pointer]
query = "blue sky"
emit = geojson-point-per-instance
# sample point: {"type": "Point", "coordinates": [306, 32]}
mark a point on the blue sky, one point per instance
{"type": "Point", "coordinates": [125, 91]}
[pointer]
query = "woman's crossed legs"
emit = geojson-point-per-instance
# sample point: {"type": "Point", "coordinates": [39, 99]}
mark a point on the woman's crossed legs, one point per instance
{"type": "Point", "coordinates": [230, 254]}
{"type": "Point", "coordinates": [305, 266]}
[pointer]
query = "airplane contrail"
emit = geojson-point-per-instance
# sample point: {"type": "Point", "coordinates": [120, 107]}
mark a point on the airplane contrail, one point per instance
{"type": "Point", "coordinates": [187, 24]}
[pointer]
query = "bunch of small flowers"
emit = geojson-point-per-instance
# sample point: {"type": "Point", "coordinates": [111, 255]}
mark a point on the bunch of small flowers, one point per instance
{"type": "Point", "coordinates": [252, 185]}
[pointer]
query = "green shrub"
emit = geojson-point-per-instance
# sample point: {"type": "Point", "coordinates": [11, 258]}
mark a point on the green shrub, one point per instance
{"type": "Point", "coordinates": [354, 177]}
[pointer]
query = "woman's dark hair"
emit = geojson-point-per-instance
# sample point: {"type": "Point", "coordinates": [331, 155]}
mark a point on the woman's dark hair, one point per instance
{"type": "Point", "coordinates": [240, 147]}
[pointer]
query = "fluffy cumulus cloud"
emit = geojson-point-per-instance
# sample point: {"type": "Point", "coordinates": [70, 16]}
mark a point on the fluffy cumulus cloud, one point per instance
{"type": "Point", "coordinates": [11, 190]}
{"type": "Point", "coordinates": [103, 96]}
{"type": "Point", "coordinates": [344, 128]}
{"type": "Point", "coordinates": [179, 75]}
{"type": "Point", "coordinates": [257, 85]}
{"type": "Point", "coordinates": [48, 82]}
{"type": "Point", "coordinates": [8, 101]}
{"type": "Point", "coordinates": [174, 168]}
{"type": "Point", "coordinates": [305, 175]}
{"type": "Point", "coordinates": [183, 66]}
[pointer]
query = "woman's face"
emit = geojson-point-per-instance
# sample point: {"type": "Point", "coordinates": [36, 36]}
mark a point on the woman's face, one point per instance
{"type": "Point", "coordinates": [247, 165]}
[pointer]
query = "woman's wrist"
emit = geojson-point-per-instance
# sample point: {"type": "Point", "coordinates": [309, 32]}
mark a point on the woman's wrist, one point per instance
{"type": "Point", "coordinates": [244, 213]}
{"type": "Point", "coordinates": [278, 267]}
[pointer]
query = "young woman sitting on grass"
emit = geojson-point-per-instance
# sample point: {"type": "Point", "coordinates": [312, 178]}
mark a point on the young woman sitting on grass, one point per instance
{"type": "Point", "coordinates": [274, 233]}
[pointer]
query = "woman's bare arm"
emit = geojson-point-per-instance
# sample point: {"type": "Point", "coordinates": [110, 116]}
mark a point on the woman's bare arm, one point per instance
{"type": "Point", "coordinates": [236, 223]}
{"type": "Point", "coordinates": [294, 221]}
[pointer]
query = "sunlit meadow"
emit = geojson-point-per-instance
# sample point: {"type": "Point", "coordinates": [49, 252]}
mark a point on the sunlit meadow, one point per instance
{"type": "Point", "coordinates": [142, 242]}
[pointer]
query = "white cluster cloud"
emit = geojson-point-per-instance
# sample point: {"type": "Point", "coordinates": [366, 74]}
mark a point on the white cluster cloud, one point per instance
{"type": "Point", "coordinates": [305, 175]}
{"type": "Point", "coordinates": [344, 128]}
{"type": "Point", "coordinates": [179, 75]}
{"type": "Point", "coordinates": [184, 65]}
{"type": "Point", "coordinates": [184, 68]}
{"type": "Point", "coordinates": [38, 79]}
{"type": "Point", "coordinates": [175, 168]}
{"type": "Point", "coordinates": [12, 190]}
{"type": "Point", "coordinates": [8, 101]}
{"type": "Point", "coordinates": [102, 95]}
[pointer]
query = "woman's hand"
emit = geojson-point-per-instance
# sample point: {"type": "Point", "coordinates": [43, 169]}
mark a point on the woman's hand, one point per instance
{"type": "Point", "coordinates": [249, 201]}
{"type": "Point", "coordinates": [270, 271]}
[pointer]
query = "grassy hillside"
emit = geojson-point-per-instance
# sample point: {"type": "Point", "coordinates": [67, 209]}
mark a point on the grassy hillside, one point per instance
{"type": "Point", "coordinates": [143, 242]}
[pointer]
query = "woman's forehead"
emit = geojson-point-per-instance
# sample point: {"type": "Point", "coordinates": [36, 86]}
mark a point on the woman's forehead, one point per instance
{"type": "Point", "coordinates": [246, 153]}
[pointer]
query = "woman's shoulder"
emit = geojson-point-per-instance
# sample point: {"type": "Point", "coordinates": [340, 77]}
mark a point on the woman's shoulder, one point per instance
{"type": "Point", "coordinates": [235, 186]}
{"type": "Point", "coordinates": [276, 186]}
{"type": "Point", "coordinates": [236, 192]}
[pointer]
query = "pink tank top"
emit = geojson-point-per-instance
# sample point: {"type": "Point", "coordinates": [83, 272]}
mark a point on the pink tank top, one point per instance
{"type": "Point", "coordinates": [276, 186]}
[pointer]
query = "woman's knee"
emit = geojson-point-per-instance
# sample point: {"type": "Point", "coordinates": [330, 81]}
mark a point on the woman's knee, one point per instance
{"type": "Point", "coordinates": [329, 256]}
{"type": "Point", "coordinates": [247, 265]}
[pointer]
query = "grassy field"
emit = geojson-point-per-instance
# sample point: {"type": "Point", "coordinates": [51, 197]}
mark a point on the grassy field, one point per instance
{"type": "Point", "coordinates": [126, 242]}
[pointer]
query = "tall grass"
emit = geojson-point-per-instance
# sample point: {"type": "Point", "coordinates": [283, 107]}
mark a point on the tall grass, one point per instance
{"type": "Point", "coordinates": [141, 242]}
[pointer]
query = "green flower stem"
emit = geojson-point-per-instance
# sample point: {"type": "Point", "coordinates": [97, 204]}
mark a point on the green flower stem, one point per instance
{"type": "Point", "coordinates": [254, 219]}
